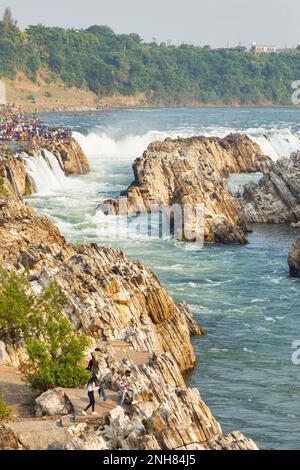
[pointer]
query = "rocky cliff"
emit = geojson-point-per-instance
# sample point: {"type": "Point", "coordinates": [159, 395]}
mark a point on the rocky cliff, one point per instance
{"type": "Point", "coordinates": [111, 298]}
{"type": "Point", "coordinates": [13, 169]}
{"type": "Point", "coordinates": [189, 172]}
{"type": "Point", "coordinates": [276, 198]}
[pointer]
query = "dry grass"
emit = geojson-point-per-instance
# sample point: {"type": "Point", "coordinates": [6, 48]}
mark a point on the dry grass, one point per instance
{"type": "Point", "coordinates": [47, 95]}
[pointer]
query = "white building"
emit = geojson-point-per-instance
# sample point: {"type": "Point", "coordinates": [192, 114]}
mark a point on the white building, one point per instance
{"type": "Point", "coordinates": [263, 49]}
{"type": "Point", "coordinates": [2, 92]}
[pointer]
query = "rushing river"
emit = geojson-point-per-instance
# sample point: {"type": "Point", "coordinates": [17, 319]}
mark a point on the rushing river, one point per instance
{"type": "Point", "coordinates": [242, 295]}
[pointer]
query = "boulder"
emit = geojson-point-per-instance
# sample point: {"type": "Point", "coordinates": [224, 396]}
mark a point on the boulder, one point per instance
{"type": "Point", "coordinates": [294, 258]}
{"type": "Point", "coordinates": [53, 403]}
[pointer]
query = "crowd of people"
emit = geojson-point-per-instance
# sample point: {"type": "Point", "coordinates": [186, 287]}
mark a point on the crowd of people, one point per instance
{"type": "Point", "coordinates": [17, 128]}
{"type": "Point", "coordinates": [127, 392]}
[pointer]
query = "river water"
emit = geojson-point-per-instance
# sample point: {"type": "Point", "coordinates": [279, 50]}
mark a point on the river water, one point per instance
{"type": "Point", "coordinates": [242, 295]}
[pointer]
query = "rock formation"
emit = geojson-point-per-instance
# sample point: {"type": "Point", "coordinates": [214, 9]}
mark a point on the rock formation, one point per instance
{"type": "Point", "coordinates": [276, 198]}
{"type": "Point", "coordinates": [13, 168]}
{"type": "Point", "coordinates": [294, 258]}
{"type": "Point", "coordinates": [189, 172]}
{"type": "Point", "coordinates": [110, 298]}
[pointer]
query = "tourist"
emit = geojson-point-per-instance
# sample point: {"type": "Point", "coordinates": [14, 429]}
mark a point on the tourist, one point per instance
{"type": "Point", "coordinates": [93, 367]}
{"type": "Point", "coordinates": [91, 388]}
{"type": "Point", "coordinates": [15, 127]}
{"type": "Point", "coordinates": [126, 387]}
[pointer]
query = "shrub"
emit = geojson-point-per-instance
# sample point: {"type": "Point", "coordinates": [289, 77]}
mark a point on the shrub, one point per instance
{"type": "Point", "coordinates": [56, 360]}
{"type": "Point", "coordinates": [5, 411]}
{"type": "Point", "coordinates": [55, 352]}
{"type": "Point", "coordinates": [48, 94]}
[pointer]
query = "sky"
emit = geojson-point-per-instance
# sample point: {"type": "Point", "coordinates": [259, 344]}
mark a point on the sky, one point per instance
{"type": "Point", "coordinates": [219, 23]}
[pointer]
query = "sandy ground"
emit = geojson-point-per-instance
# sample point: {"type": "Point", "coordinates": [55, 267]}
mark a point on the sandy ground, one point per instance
{"type": "Point", "coordinates": [47, 95]}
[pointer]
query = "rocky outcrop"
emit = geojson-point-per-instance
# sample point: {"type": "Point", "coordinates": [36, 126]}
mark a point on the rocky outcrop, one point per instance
{"type": "Point", "coordinates": [110, 298]}
{"type": "Point", "coordinates": [53, 403]}
{"type": "Point", "coordinates": [190, 172]}
{"type": "Point", "coordinates": [69, 154]}
{"type": "Point", "coordinates": [294, 258]}
{"type": "Point", "coordinates": [14, 171]}
{"type": "Point", "coordinates": [276, 198]}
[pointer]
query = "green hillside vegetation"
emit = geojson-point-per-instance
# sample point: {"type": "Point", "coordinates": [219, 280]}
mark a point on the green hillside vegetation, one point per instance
{"type": "Point", "coordinates": [106, 63]}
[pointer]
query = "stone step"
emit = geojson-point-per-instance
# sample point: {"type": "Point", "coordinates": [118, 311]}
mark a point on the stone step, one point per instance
{"type": "Point", "coordinates": [121, 349]}
{"type": "Point", "coordinates": [79, 399]}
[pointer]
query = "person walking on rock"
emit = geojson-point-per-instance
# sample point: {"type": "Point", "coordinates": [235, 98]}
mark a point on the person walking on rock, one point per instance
{"type": "Point", "coordinates": [94, 368]}
{"type": "Point", "coordinates": [126, 387]}
{"type": "Point", "coordinates": [91, 388]}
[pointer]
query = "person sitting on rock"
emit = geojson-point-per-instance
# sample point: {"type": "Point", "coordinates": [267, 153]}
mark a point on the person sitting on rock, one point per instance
{"type": "Point", "coordinates": [91, 388]}
{"type": "Point", "coordinates": [126, 387]}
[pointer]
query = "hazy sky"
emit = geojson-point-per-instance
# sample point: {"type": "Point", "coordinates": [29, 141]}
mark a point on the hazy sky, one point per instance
{"type": "Point", "coordinates": [192, 21]}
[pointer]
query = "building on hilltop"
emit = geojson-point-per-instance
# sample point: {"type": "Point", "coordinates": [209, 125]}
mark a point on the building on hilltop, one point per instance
{"type": "Point", "coordinates": [263, 49]}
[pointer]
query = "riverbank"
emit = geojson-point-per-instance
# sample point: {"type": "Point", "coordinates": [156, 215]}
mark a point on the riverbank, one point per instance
{"type": "Point", "coordinates": [45, 96]}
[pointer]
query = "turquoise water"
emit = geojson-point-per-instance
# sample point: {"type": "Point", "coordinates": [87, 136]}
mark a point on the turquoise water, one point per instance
{"type": "Point", "coordinates": [242, 295]}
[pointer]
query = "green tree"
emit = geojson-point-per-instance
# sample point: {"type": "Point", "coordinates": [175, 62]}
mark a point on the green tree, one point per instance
{"type": "Point", "coordinates": [55, 352]}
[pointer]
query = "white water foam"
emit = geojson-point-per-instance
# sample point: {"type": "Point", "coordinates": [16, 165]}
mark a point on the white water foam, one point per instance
{"type": "Point", "coordinates": [45, 171]}
{"type": "Point", "coordinates": [275, 143]}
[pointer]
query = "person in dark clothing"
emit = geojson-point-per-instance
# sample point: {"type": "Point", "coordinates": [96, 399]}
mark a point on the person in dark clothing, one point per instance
{"type": "Point", "coordinates": [93, 367]}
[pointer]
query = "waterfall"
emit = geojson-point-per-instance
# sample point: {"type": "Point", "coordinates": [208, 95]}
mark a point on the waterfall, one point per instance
{"type": "Point", "coordinates": [45, 171]}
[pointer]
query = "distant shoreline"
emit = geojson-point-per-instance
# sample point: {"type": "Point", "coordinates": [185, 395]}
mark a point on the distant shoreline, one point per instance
{"type": "Point", "coordinates": [91, 110]}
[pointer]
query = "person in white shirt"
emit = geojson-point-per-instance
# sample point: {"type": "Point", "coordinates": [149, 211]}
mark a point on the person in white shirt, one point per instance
{"type": "Point", "coordinates": [125, 387]}
{"type": "Point", "coordinates": [91, 388]}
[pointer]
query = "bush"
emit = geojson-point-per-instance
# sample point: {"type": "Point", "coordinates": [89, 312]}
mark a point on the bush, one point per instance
{"type": "Point", "coordinates": [5, 411]}
{"type": "Point", "coordinates": [55, 352]}
{"type": "Point", "coordinates": [56, 360]}
{"type": "Point", "coordinates": [48, 94]}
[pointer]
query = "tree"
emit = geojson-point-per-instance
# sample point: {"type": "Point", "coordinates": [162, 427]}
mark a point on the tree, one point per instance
{"type": "Point", "coordinates": [55, 351]}
{"type": "Point", "coordinates": [7, 19]}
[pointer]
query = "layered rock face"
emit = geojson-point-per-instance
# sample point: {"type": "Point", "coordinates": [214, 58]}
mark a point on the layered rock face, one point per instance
{"type": "Point", "coordinates": [107, 295]}
{"type": "Point", "coordinates": [69, 155]}
{"type": "Point", "coordinates": [294, 258]}
{"type": "Point", "coordinates": [190, 172]}
{"type": "Point", "coordinates": [111, 298]}
{"type": "Point", "coordinates": [276, 198]}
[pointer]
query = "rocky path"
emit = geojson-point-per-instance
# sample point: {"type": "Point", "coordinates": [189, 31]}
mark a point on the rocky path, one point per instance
{"type": "Point", "coordinates": [17, 395]}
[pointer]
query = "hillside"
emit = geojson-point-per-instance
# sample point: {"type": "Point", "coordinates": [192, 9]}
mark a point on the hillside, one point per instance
{"type": "Point", "coordinates": [49, 66]}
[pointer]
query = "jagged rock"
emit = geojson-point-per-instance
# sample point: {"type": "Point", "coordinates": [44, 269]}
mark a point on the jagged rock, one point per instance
{"type": "Point", "coordinates": [53, 403]}
{"type": "Point", "coordinates": [233, 441]}
{"type": "Point", "coordinates": [295, 225]}
{"type": "Point", "coordinates": [190, 172]}
{"type": "Point", "coordinates": [94, 278]}
{"type": "Point", "coordinates": [294, 258]}
{"type": "Point", "coordinates": [276, 197]}
{"type": "Point", "coordinates": [84, 438]}
{"type": "Point", "coordinates": [69, 154]}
